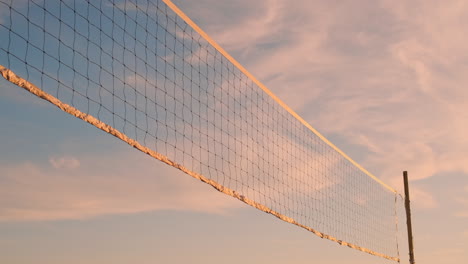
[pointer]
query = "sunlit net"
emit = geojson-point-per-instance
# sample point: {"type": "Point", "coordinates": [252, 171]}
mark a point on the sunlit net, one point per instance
{"type": "Point", "coordinates": [146, 71]}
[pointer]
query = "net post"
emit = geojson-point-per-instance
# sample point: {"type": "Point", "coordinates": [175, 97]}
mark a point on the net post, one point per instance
{"type": "Point", "coordinates": [408, 219]}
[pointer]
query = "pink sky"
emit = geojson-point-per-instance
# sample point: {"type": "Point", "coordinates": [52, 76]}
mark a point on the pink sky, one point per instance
{"type": "Point", "coordinates": [383, 80]}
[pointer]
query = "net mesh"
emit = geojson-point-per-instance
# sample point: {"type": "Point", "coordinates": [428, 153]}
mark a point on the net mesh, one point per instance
{"type": "Point", "coordinates": [147, 71]}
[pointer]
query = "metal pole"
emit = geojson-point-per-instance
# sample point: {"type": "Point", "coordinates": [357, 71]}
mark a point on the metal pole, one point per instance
{"type": "Point", "coordinates": [408, 218]}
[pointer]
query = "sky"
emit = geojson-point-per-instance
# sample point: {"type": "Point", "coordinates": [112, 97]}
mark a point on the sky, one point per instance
{"type": "Point", "coordinates": [383, 80]}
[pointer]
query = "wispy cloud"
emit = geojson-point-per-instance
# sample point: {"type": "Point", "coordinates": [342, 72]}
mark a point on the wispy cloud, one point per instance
{"type": "Point", "coordinates": [379, 74]}
{"type": "Point", "coordinates": [423, 199]}
{"type": "Point", "coordinates": [115, 184]}
{"type": "Point", "coordinates": [64, 162]}
{"type": "Point", "coordinates": [383, 75]}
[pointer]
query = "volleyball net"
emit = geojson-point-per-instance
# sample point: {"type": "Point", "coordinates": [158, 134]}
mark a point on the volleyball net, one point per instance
{"type": "Point", "coordinates": [144, 72]}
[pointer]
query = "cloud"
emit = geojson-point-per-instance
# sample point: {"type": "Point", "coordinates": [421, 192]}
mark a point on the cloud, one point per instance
{"type": "Point", "coordinates": [263, 27]}
{"type": "Point", "coordinates": [64, 162]}
{"type": "Point", "coordinates": [114, 184]}
{"type": "Point", "coordinates": [379, 74]}
{"type": "Point", "coordinates": [383, 75]}
{"type": "Point", "coordinates": [423, 199]}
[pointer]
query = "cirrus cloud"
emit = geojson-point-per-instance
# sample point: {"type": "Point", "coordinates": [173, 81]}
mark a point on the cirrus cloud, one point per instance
{"type": "Point", "coordinates": [383, 75]}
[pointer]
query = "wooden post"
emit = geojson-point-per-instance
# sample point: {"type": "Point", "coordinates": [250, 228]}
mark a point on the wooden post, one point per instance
{"type": "Point", "coordinates": [408, 219]}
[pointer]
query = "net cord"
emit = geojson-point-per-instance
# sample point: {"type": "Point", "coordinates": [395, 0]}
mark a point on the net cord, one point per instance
{"type": "Point", "coordinates": [13, 78]}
